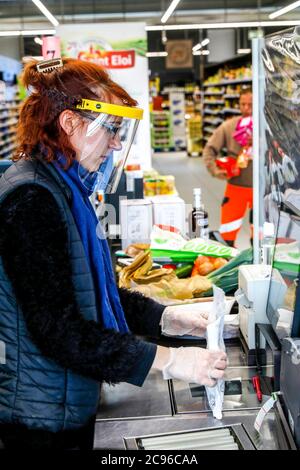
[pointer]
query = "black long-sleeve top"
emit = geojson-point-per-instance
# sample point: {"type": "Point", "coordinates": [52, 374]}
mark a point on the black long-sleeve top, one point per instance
{"type": "Point", "coordinates": [34, 249]}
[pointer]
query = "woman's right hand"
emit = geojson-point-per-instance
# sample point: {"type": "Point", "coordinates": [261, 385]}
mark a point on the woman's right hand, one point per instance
{"type": "Point", "coordinates": [196, 365]}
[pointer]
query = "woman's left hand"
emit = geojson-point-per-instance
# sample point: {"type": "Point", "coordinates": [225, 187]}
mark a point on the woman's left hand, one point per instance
{"type": "Point", "coordinates": [178, 322]}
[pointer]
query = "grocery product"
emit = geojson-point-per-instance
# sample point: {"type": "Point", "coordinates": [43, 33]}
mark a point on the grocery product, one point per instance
{"type": "Point", "coordinates": [199, 217]}
{"type": "Point", "coordinates": [206, 264]}
{"type": "Point", "coordinates": [172, 245]}
{"type": "Point", "coordinates": [159, 185]}
{"type": "Point", "coordinates": [226, 277]}
{"type": "Point", "coordinates": [141, 272]}
{"type": "Point", "coordinates": [174, 288]}
{"type": "Point", "coordinates": [229, 164]}
{"type": "Point", "coordinates": [184, 270]}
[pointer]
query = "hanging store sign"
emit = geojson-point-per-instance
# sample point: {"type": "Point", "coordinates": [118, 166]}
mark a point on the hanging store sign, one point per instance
{"type": "Point", "coordinates": [179, 54]}
{"type": "Point", "coordinates": [109, 59]}
{"type": "Point", "coordinates": [51, 47]}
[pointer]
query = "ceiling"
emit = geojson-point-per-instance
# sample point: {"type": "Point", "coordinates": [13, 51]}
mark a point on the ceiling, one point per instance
{"type": "Point", "coordinates": [24, 13]}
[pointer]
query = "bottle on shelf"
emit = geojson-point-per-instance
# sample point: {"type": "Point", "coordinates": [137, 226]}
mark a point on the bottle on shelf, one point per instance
{"type": "Point", "coordinates": [267, 244]}
{"type": "Point", "coordinates": [199, 217]}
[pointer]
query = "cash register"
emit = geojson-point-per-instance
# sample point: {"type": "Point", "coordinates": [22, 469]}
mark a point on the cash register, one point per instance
{"type": "Point", "coordinates": [280, 334]}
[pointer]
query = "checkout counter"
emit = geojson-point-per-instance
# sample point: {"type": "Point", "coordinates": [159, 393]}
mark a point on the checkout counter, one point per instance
{"type": "Point", "coordinates": [165, 415]}
{"type": "Point", "coordinates": [171, 414]}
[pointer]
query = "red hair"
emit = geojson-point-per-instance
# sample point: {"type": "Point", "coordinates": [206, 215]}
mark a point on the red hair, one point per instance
{"type": "Point", "coordinates": [38, 127]}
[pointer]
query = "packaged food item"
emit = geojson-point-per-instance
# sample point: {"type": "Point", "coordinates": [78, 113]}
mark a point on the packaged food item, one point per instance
{"type": "Point", "coordinates": [244, 156]}
{"type": "Point", "coordinates": [135, 248]}
{"type": "Point", "coordinates": [230, 165]}
{"type": "Point", "coordinates": [210, 248]}
{"type": "Point", "coordinates": [172, 245]}
{"type": "Point", "coordinates": [173, 288]}
{"type": "Point", "coordinates": [159, 185]}
{"type": "Point", "coordinates": [140, 271]}
{"type": "Point", "coordinates": [243, 131]}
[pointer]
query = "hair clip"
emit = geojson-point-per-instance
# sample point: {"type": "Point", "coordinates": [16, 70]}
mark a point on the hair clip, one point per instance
{"type": "Point", "coordinates": [46, 66]}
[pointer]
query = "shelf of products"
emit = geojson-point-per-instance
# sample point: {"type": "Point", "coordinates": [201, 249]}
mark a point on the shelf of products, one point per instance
{"type": "Point", "coordinates": [194, 135]}
{"type": "Point", "coordinates": [9, 113]}
{"type": "Point", "coordinates": [177, 101]}
{"type": "Point", "coordinates": [228, 82]}
{"type": "Point", "coordinates": [193, 109]}
{"type": "Point", "coordinates": [221, 96]}
{"type": "Point", "coordinates": [177, 123]}
{"type": "Point", "coordinates": [161, 131]}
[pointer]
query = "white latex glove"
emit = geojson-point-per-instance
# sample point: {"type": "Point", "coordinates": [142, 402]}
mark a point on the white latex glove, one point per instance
{"type": "Point", "coordinates": [178, 322]}
{"type": "Point", "coordinates": [196, 365]}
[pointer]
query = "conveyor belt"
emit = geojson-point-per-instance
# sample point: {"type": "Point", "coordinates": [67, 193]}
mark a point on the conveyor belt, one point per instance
{"type": "Point", "coordinates": [218, 439]}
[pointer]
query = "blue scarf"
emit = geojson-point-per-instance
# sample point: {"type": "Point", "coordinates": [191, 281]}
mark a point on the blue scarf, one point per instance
{"type": "Point", "coordinates": [96, 249]}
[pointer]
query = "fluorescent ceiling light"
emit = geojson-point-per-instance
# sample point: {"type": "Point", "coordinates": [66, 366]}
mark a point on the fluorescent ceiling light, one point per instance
{"type": "Point", "coordinates": [197, 47]}
{"type": "Point", "coordinates": [33, 32]}
{"type": "Point", "coordinates": [243, 51]}
{"type": "Point", "coordinates": [249, 24]}
{"type": "Point", "coordinates": [205, 42]}
{"type": "Point", "coordinates": [10, 33]}
{"type": "Point", "coordinates": [46, 12]}
{"type": "Point", "coordinates": [201, 44]}
{"type": "Point", "coordinates": [156, 54]}
{"type": "Point", "coordinates": [28, 32]}
{"type": "Point", "coordinates": [205, 52]}
{"type": "Point", "coordinates": [38, 41]}
{"type": "Point", "coordinates": [284, 10]}
{"type": "Point", "coordinates": [169, 11]}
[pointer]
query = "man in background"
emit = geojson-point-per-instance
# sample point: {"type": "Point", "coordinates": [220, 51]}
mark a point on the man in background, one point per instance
{"type": "Point", "coordinates": [238, 194]}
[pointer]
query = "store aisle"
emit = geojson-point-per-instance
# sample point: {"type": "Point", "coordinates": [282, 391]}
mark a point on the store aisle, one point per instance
{"type": "Point", "coordinates": [190, 172]}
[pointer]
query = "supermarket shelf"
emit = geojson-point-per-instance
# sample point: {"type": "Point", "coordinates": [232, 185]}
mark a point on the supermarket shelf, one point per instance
{"type": "Point", "coordinates": [231, 96]}
{"type": "Point", "coordinates": [230, 111]}
{"type": "Point", "coordinates": [180, 90]}
{"type": "Point", "coordinates": [5, 134]}
{"type": "Point", "coordinates": [9, 114]}
{"type": "Point", "coordinates": [7, 141]}
{"type": "Point", "coordinates": [164, 149]}
{"type": "Point", "coordinates": [213, 93]}
{"type": "Point", "coordinates": [213, 122]}
{"type": "Point", "coordinates": [228, 82]}
{"type": "Point", "coordinates": [223, 93]}
{"type": "Point", "coordinates": [9, 123]}
{"type": "Point", "coordinates": [9, 108]}
{"type": "Point", "coordinates": [213, 103]}
{"type": "Point", "coordinates": [8, 149]}
{"type": "Point", "coordinates": [208, 111]}
{"type": "Point", "coordinates": [210, 130]}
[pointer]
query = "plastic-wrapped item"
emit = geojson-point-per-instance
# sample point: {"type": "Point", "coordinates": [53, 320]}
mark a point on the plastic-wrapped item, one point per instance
{"type": "Point", "coordinates": [215, 342]}
{"type": "Point", "coordinates": [230, 165]}
{"type": "Point", "coordinates": [167, 243]}
{"type": "Point", "coordinates": [159, 185]}
{"type": "Point", "coordinates": [243, 131]}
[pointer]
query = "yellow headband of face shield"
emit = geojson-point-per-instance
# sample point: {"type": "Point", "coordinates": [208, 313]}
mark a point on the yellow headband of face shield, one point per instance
{"type": "Point", "coordinates": [108, 108]}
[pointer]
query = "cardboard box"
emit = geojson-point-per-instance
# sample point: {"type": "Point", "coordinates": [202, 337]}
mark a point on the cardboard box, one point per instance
{"type": "Point", "coordinates": [136, 221]}
{"type": "Point", "coordinates": [169, 210]}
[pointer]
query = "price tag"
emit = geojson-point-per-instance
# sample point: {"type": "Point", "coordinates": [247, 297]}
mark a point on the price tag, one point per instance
{"type": "Point", "coordinates": [264, 411]}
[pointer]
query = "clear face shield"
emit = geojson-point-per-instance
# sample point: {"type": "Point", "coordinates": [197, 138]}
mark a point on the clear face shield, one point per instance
{"type": "Point", "coordinates": [103, 143]}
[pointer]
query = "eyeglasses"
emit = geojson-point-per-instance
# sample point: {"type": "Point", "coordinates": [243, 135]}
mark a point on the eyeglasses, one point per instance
{"type": "Point", "coordinates": [112, 128]}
